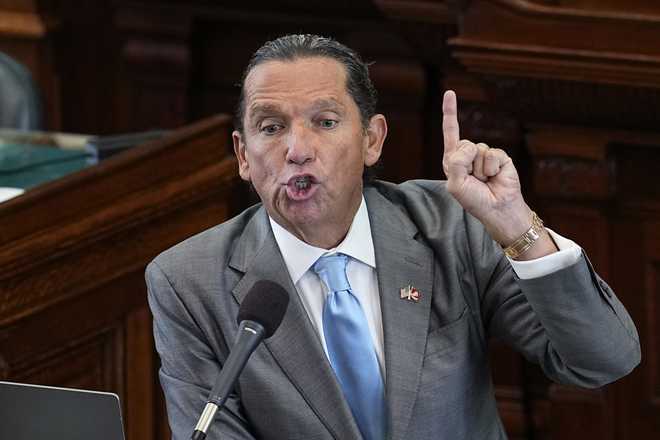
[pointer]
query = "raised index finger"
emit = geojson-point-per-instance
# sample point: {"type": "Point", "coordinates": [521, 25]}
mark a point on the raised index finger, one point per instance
{"type": "Point", "coordinates": [450, 129]}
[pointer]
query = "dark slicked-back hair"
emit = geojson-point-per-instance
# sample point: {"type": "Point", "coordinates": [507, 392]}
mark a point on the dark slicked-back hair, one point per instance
{"type": "Point", "coordinates": [293, 47]}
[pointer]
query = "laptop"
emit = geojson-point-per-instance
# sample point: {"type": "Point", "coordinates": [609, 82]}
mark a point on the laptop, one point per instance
{"type": "Point", "coordinates": [34, 412]}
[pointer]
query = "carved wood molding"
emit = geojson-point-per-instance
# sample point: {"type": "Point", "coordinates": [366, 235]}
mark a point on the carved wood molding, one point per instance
{"type": "Point", "coordinates": [533, 9]}
{"type": "Point", "coordinates": [534, 61]}
{"type": "Point", "coordinates": [522, 39]}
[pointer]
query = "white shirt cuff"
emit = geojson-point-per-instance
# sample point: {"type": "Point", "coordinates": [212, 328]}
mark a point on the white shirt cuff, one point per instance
{"type": "Point", "coordinates": [569, 253]}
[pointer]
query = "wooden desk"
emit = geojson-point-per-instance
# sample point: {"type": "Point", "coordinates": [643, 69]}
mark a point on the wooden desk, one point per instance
{"type": "Point", "coordinates": [73, 309]}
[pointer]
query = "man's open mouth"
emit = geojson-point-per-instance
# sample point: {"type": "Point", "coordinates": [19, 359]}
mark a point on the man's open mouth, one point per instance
{"type": "Point", "coordinates": [300, 187]}
{"type": "Point", "coordinates": [302, 182]}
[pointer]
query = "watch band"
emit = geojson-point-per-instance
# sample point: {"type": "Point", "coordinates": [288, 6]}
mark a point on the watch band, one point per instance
{"type": "Point", "coordinates": [527, 240]}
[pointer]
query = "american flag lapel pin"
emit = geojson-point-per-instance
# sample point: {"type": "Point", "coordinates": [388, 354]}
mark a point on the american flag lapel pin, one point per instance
{"type": "Point", "coordinates": [410, 293]}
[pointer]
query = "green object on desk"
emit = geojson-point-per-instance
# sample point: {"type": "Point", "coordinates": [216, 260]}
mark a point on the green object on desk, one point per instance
{"type": "Point", "coordinates": [25, 166]}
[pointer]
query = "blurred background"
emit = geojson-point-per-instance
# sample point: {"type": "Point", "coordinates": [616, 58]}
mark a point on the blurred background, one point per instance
{"type": "Point", "coordinates": [570, 88]}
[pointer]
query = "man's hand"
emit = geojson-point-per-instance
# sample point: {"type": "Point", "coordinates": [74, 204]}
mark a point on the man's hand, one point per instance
{"type": "Point", "coordinates": [485, 182]}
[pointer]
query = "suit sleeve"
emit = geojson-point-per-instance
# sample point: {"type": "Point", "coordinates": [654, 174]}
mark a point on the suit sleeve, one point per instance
{"type": "Point", "coordinates": [569, 322]}
{"type": "Point", "coordinates": [188, 365]}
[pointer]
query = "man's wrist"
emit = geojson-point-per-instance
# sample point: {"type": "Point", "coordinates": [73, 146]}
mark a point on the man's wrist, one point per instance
{"type": "Point", "coordinates": [530, 242]}
{"type": "Point", "coordinates": [509, 225]}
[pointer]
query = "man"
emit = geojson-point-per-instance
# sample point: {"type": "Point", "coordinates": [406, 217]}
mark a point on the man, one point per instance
{"type": "Point", "coordinates": [399, 350]}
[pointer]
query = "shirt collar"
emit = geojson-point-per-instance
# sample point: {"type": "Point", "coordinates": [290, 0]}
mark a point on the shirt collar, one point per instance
{"type": "Point", "coordinates": [300, 256]}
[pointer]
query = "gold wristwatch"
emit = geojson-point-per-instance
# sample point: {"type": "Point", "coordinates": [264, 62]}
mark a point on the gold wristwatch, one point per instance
{"type": "Point", "coordinates": [527, 240]}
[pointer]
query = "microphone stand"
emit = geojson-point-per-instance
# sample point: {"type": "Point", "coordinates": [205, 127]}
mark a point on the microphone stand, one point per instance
{"type": "Point", "coordinates": [250, 334]}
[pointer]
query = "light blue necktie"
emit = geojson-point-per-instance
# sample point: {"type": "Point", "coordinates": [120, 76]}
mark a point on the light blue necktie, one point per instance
{"type": "Point", "coordinates": [351, 349]}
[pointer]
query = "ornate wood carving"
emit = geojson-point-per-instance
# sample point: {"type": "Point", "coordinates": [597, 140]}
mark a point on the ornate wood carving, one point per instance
{"type": "Point", "coordinates": [521, 38]}
{"type": "Point", "coordinates": [554, 63]}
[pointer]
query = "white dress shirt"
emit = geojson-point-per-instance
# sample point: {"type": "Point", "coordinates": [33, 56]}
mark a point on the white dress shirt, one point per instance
{"type": "Point", "coordinates": [299, 258]}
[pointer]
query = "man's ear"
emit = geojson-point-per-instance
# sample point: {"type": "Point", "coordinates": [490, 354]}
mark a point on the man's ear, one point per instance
{"type": "Point", "coordinates": [241, 155]}
{"type": "Point", "coordinates": [376, 134]}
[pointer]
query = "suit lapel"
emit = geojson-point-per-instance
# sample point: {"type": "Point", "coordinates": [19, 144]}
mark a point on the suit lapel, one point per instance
{"type": "Point", "coordinates": [400, 261]}
{"type": "Point", "coordinates": [295, 345]}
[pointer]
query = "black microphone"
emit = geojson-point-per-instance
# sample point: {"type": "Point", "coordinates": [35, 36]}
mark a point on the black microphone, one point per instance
{"type": "Point", "coordinates": [260, 314]}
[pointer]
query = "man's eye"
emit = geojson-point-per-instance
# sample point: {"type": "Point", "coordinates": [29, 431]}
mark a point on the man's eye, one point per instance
{"type": "Point", "coordinates": [328, 123]}
{"type": "Point", "coordinates": [271, 128]}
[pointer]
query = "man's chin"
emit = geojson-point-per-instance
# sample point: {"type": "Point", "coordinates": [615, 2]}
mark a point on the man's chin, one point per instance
{"type": "Point", "coordinates": [301, 215]}
{"type": "Point", "coordinates": [304, 216]}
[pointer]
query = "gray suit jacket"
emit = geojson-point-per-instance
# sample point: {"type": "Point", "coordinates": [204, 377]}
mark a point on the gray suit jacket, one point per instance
{"type": "Point", "coordinates": [438, 381]}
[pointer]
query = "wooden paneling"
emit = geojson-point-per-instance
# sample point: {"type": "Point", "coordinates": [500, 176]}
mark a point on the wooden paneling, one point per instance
{"type": "Point", "coordinates": [601, 192]}
{"type": "Point", "coordinates": [639, 270]}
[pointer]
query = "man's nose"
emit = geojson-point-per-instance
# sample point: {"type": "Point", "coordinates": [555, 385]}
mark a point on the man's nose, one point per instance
{"type": "Point", "coordinates": [299, 147]}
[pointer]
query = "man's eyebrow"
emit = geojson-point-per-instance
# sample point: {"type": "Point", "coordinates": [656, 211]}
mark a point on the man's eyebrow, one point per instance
{"type": "Point", "coordinates": [327, 104]}
{"type": "Point", "coordinates": [259, 109]}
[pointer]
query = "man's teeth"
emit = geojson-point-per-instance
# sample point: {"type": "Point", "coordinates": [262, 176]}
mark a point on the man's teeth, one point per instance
{"type": "Point", "coordinates": [302, 183]}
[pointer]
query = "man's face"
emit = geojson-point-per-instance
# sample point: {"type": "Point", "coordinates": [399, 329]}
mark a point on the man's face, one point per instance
{"type": "Point", "coordinates": [304, 147]}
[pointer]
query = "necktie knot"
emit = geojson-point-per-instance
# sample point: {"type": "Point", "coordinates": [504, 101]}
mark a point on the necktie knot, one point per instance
{"type": "Point", "coordinates": [332, 270]}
